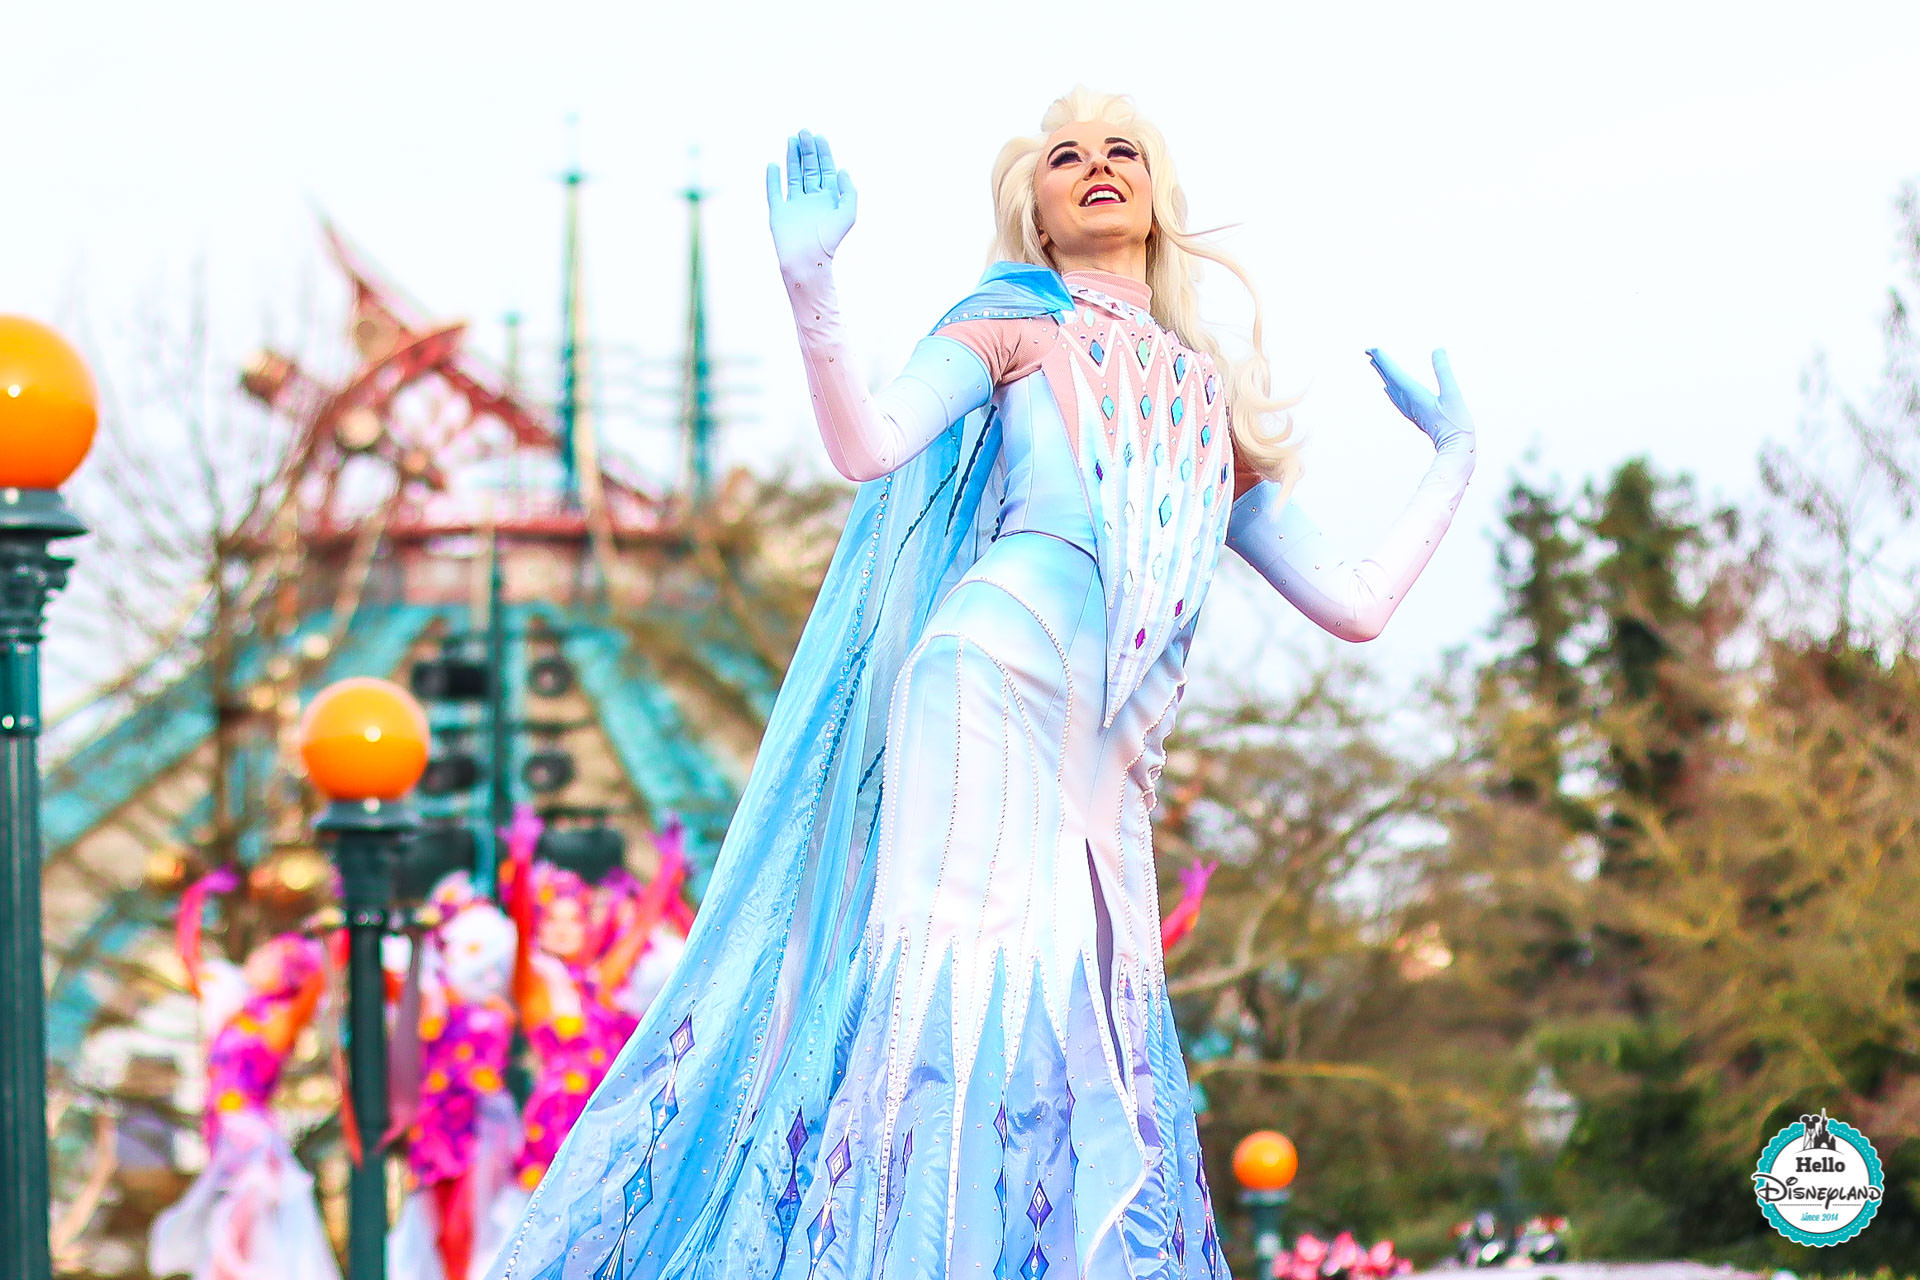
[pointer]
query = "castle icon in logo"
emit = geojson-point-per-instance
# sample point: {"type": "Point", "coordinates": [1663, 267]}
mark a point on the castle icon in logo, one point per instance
{"type": "Point", "coordinates": [1819, 1182]}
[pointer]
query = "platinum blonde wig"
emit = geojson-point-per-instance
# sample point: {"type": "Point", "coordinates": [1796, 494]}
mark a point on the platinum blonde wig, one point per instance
{"type": "Point", "coordinates": [1262, 430]}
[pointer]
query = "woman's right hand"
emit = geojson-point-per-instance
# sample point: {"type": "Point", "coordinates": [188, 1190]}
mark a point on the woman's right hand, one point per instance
{"type": "Point", "coordinates": [815, 211]}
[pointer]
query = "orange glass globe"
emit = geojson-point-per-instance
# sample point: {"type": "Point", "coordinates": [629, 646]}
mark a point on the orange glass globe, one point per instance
{"type": "Point", "coordinates": [364, 739]}
{"type": "Point", "coordinates": [48, 406]}
{"type": "Point", "coordinates": [1265, 1161]}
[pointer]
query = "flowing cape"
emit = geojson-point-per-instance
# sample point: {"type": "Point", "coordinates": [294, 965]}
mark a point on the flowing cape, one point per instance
{"type": "Point", "coordinates": [780, 928]}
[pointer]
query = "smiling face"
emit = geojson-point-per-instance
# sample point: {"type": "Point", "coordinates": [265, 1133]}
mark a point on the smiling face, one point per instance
{"type": "Point", "coordinates": [1094, 195]}
{"type": "Point", "coordinates": [563, 929]}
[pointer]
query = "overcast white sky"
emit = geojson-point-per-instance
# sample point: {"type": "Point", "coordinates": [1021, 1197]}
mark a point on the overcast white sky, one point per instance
{"type": "Point", "coordinates": [1632, 224]}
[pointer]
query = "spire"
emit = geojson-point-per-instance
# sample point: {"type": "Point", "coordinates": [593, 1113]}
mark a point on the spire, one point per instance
{"type": "Point", "coordinates": [570, 335]}
{"type": "Point", "coordinates": [697, 400]}
{"type": "Point", "coordinates": [512, 322]}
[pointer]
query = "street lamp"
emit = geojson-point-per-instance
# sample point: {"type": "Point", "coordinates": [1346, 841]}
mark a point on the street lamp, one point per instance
{"type": "Point", "coordinates": [1548, 1113]}
{"type": "Point", "coordinates": [1264, 1164]}
{"type": "Point", "coordinates": [364, 742]}
{"type": "Point", "coordinates": [48, 412]}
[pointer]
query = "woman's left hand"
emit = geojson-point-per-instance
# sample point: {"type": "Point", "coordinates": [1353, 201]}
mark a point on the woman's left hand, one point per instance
{"type": "Point", "coordinates": [1444, 418]}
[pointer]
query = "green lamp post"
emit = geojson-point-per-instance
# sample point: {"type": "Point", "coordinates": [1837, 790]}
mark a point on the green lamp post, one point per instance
{"type": "Point", "coordinates": [364, 743]}
{"type": "Point", "coordinates": [48, 411]}
{"type": "Point", "coordinates": [1264, 1163]}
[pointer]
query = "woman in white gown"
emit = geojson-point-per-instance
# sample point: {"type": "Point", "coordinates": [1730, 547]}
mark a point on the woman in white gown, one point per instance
{"type": "Point", "coordinates": [922, 1026]}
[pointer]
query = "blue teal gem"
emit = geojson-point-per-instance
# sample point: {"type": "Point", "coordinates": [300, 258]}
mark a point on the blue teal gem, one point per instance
{"type": "Point", "coordinates": [1223, 473]}
{"type": "Point", "coordinates": [1039, 1208]}
{"type": "Point", "coordinates": [1166, 511]}
{"type": "Point", "coordinates": [1098, 352]}
{"type": "Point", "coordinates": [639, 1189]}
{"type": "Point", "coordinates": [1145, 350]}
{"type": "Point", "coordinates": [1159, 453]}
{"type": "Point", "coordinates": [1126, 454]}
{"type": "Point", "coordinates": [1186, 468]}
{"type": "Point", "coordinates": [1213, 385]}
{"type": "Point", "coordinates": [1206, 435]}
{"type": "Point", "coordinates": [1180, 368]}
{"type": "Point", "coordinates": [1178, 409]}
{"type": "Point", "coordinates": [1206, 496]}
{"type": "Point", "coordinates": [1098, 473]}
{"type": "Point", "coordinates": [1106, 405]}
{"type": "Point", "coordinates": [1146, 406]}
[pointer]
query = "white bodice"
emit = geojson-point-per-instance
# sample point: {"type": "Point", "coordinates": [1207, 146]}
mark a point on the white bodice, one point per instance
{"type": "Point", "coordinates": [1147, 419]}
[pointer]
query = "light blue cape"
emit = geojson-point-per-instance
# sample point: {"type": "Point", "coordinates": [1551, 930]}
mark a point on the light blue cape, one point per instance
{"type": "Point", "coordinates": [784, 912]}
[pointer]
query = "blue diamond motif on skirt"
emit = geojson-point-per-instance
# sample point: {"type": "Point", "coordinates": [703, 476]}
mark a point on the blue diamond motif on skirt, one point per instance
{"type": "Point", "coordinates": [787, 1207]}
{"type": "Point", "coordinates": [1212, 388]}
{"type": "Point", "coordinates": [639, 1188]}
{"type": "Point", "coordinates": [1145, 352]}
{"type": "Point", "coordinates": [1098, 352]}
{"type": "Point", "coordinates": [1146, 407]}
{"type": "Point", "coordinates": [1099, 473]}
{"type": "Point", "coordinates": [1166, 511]}
{"type": "Point", "coordinates": [1106, 405]}
{"type": "Point", "coordinates": [1186, 468]}
{"type": "Point", "coordinates": [1206, 435]}
{"type": "Point", "coordinates": [820, 1237]}
{"type": "Point", "coordinates": [666, 1105]}
{"type": "Point", "coordinates": [1180, 367]}
{"type": "Point", "coordinates": [1178, 409]}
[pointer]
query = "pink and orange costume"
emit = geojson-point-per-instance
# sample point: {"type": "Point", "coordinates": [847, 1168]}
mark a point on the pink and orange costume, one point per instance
{"type": "Point", "coordinates": [251, 1214]}
{"type": "Point", "coordinates": [579, 948]}
{"type": "Point", "coordinates": [464, 1137]}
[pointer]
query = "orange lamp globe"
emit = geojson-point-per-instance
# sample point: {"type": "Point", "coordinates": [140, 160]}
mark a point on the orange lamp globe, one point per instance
{"type": "Point", "coordinates": [48, 406]}
{"type": "Point", "coordinates": [1265, 1161]}
{"type": "Point", "coordinates": [364, 739]}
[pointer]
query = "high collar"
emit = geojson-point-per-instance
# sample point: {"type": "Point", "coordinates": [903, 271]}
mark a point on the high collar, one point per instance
{"type": "Point", "coordinates": [1123, 288]}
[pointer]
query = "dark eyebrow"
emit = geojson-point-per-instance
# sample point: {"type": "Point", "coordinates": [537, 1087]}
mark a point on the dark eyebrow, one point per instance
{"type": "Point", "coordinates": [1067, 143]}
{"type": "Point", "coordinates": [1129, 141]}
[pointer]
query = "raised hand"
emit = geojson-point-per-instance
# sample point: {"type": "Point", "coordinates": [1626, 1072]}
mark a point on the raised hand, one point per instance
{"type": "Point", "coordinates": [814, 211]}
{"type": "Point", "coordinates": [1444, 417]}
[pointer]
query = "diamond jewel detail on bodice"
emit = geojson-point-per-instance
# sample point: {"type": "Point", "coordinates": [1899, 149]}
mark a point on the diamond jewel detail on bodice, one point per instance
{"type": "Point", "coordinates": [1151, 475]}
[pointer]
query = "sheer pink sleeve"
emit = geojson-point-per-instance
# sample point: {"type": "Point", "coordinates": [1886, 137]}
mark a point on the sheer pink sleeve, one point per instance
{"type": "Point", "coordinates": [952, 373]}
